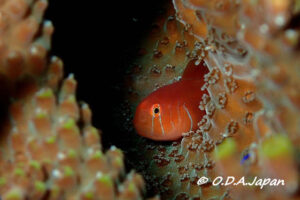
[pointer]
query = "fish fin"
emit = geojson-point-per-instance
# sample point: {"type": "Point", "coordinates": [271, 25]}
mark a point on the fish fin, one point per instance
{"type": "Point", "coordinates": [195, 72]}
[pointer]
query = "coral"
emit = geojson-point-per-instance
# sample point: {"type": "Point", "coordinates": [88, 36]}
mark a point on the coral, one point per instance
{"type": "Point", "coordinates": [25, 38]}
{"type": "Point", "coordinates": [252, 110]}
{"type": "Point", "coordinates": [51, 150]}
{"type": "Point", "coordinates": [49, 147]}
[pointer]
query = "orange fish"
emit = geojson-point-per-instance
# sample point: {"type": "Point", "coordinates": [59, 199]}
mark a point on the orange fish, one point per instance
{"type": "Point", "coordinates": [172, 110]}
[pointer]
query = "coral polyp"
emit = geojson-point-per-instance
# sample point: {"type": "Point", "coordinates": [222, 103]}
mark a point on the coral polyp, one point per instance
{"type": "Point", "coordinates": [252, 102]}
{"type": "Point", "coordinates": [49, 147]}
{"type": "Point", "coordinates": [248, 100]}
{"type": "Point", "coordinates": [22, 51]}
{"type": "Point", "coordinates": [45, 153]}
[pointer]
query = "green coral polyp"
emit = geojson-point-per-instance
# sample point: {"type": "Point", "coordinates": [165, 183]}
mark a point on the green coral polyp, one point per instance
{"type": "Point", "coordinates": [132, 188]}
{"type": "Point", "coordinates": [69, 124]}
{"type": "Point", "coordinates": [89, 195]}
{"type": "Point", "coordinates": [72, 153]}
{"type": "Point", "coordinates": [94, 131]}
{"type": "Point", "coordinates": [225, 149]}
{"type": "Point", "coordinates": [68, 171]}
{"type": "Point", "coordinates": [40, 186]}
{"type": "Point", "coordinates": [51, 140]}
{"type": "Point", "coordinates": [46, 94]}
{"type": "Point", "coordinates": [35, 164]}
{"type": "Point", "coordinates": [41, 115]}
{"type": "Point", "coordinates": [118, 161]}
{"type": "Point", "coordinates": [72, 99]}
{"type": "Point", "coordinates": [19, 172]}
{"type": "Point", "coordinates": [106, 179]}
{"type": "Point", "coordinates": [98, 155]}
{"type": "Point", "coordinates": [275, 146]}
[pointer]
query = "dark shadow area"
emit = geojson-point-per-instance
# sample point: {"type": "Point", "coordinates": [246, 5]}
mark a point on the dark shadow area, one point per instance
{"type": "Point", "coordinates": [5, 93]}
{"type": "Point", "coordinates": [97, 43]}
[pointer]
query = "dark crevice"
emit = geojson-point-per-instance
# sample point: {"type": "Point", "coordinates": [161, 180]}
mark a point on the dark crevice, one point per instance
{"type": "Point", "coordinates": [5, 93]}
{"type": "Point", "coordinates": [294, 24]}
{"type": "Point", "coordinates": [98, 47]}
{"type": "Point", "coordinates": [99, 44]}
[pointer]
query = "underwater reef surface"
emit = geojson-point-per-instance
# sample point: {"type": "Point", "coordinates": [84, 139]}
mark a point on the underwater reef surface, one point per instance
{"type": "Point", "coordinates": [251, 127]}
{"type": "Point", "coordinates": [49, 148]}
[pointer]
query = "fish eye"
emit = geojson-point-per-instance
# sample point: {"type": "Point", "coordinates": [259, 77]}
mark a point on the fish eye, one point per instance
{"type": "Point", "coordinates": [156, 110]}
